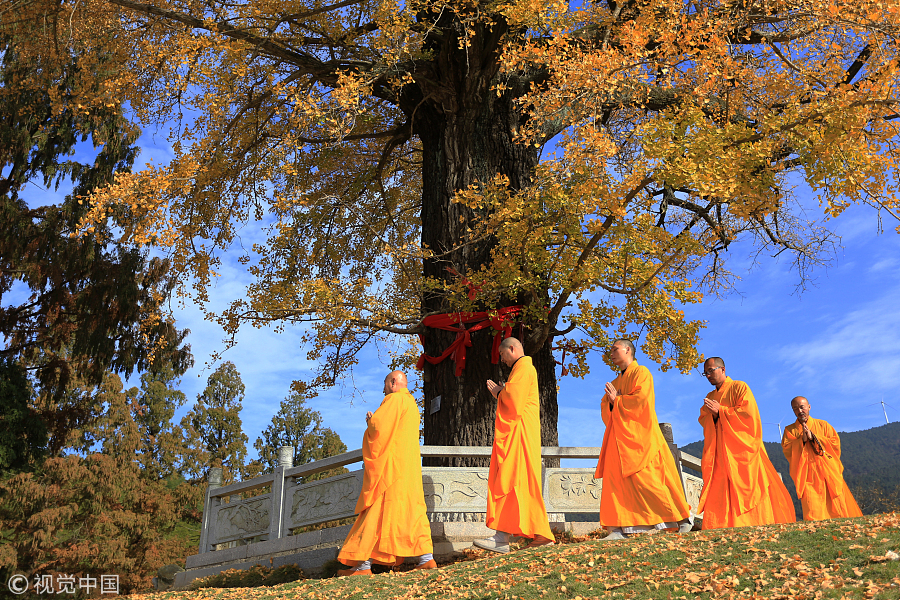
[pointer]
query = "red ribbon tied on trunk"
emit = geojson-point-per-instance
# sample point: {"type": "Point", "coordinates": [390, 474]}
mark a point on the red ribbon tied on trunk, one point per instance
{"type": "Point", "coordinates": [501, 321]}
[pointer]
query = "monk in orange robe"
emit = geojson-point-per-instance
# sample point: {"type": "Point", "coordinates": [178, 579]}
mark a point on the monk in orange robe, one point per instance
{"type": "Point", "coordinates": [813, 449]}
{"type": "Point", "coordinates": [515, 505]}
{"type": "Point", "coordinates": [392, 522]}
{"type": "Point", "coordinates": [641, 487]}
{"type": "Point", "coordinates": [740, 485]}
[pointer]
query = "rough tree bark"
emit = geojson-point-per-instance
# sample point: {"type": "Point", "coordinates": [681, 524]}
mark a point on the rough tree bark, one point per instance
{"type": "Point", "coordinates": [467, 134]}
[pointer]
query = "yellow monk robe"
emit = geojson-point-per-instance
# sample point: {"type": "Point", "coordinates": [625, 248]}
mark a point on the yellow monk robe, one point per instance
{"type": "Point", "coordinates": [740, 485]}
{"type": "Point", "coordinates": [514, 503]}
{"type": "Point", "coordinates": [819, 478]}
{"type": "Point", "coordinates": [640, 480]}
{"type": "Point", "coordinates": [392, 522]}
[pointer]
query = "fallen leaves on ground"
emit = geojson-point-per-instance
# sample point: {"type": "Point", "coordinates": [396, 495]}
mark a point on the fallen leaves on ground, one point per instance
{"type": "Point", "coordinates": [839, 559]}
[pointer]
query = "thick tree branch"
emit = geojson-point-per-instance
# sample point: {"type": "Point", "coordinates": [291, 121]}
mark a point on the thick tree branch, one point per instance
{"type": "Point", "coordinates": [703, 213]}
{"type": "Point", "coordinates": [589, 248]}
{"type": "Point", "coordinates": [310, 316]}
{"type": "Point", "coordinates": [750, 37]}
{"type": "Point", "coordinates": [815, 116]}
{"type": "Point", "coordinates": [861, 59]}
{"type": "Point", "coordinates": [324, 71]}
{"type": "Point", "coordinates": [322, 9]}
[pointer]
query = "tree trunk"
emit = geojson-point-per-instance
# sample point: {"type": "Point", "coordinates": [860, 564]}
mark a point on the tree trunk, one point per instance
{"type": "Point", "coordinates": [467, 409]}
{"type": "Point", "coordinates": [467, 138]}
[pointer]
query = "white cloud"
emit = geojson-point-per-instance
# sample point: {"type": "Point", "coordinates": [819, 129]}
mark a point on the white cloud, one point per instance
{"type": "Point", "coordinates": [861, 345]}
{"type": "Point", "coordinates": [887, 265]}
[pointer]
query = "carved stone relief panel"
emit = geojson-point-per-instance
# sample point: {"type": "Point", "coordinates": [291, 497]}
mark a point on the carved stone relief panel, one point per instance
{"type": "Point", "coordinates": [325, 500]}
{"type": "Point", "coordinates": [244, 519]}
{"type": "Point", "coordinates": [571, 490]}
{"type": "Point", "coordinates": [692, 487]}
{"type": "Point", "coordinates": [455, 489]}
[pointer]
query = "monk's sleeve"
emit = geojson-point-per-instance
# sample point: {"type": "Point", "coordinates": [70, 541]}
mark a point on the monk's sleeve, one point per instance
{"type": "Point", "coordinates": [510, 406]}
{"type": "Point", "coordinates": [605, 413]}
{"type": "Point", "coordinates": [830, 440]}
{"type": "Point", "coordinates": [708, 459]}
{"type": "Point", "coordinates": [741, 422]}
{"type": "Point", "coordinates": [741, 430]}
{"type": "Point", "coordinates": [381, 426]}
{"type": "Point", "coordinates": [376, 451]}
{"type": "Point", "coordinates": [635, 438]}
{"type": "Point", "coordinates": [792, 446]}
{"type": "Point", "coordinates": [831, 467]}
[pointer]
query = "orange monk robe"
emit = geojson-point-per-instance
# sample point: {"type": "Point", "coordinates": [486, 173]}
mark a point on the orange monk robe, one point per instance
{"type": "Point", "coordinates": [819, 478]}
{"type": "Point", "coordinates": [740, 485]}
{"type": "Point", "coordinates": [640, 480]}
{"type": "Point", "coordinates": [392, 522]}
{"type": "Point", "coordinates": [514, 503]}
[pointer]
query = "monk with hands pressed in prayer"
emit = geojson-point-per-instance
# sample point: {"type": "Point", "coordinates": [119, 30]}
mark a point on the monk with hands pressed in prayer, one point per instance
{"type": "Point", "coordinates": [740, 485]}
{"type": "Point", "coordinates": [515, 505]}
{"type": "Point", "coordinates": [813, 449]}
{"type": "Point", "coordinates": [392, 522]}
{"type": "Point", "coordinates": [641, 487]}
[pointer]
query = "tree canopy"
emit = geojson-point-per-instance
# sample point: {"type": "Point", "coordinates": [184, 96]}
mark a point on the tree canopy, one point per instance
{"type": "Point", "coordinates": [593, 164]}
{"type": "Point", "coordinates": [22, 433]}
{"type": "Point", "coordinates": [91, 305]}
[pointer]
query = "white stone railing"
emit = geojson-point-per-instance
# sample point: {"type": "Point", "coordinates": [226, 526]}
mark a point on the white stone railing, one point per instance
{"type": "Point", "coordinates": [451, 493]}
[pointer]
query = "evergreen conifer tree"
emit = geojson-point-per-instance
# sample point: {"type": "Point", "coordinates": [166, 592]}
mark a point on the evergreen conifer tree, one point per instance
{"type": "Point", "coordinates": [213, 435]}
{"type": "Point", "coordinates": [300, 427]}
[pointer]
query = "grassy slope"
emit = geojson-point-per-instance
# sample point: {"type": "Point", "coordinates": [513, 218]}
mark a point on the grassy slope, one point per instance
{"type": "Point", "coordinates": [802, 561]}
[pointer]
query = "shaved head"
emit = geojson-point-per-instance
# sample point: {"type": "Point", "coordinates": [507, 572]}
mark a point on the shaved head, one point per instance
{"type": "Point", "coordinates": [800, 406]}
{"type": "Point", "coordinates": [627, 345]}
{"type": "Point", "coordinates": [394, 382]}
{"type": "Point", "coordinates": [714, 371]}
{"type": "Point", "coordinates": [621, 353]}
{"type": "Point", "coordinates": [511, 342]}
{"type": "Point", "coordinates": [715, 361]}
{"type": "Point", "coordinates": [399, 377]}
{"type": "Point", "coordinates": [511, 350]}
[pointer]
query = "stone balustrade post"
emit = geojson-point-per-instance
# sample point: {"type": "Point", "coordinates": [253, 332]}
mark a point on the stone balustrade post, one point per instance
{"type": "Point", "coordinates": [276, 516]}
{"type": "Point", "coordinates": [286, 456]}
{"type": "Point", "coordinates": [669, 435]}
{"type": "Point", "coordinates": [666, 429]}
{"type": "Point", "coordinates": [207, 530]}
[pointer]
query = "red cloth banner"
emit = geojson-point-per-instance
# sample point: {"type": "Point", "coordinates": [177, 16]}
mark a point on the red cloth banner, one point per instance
{"type": "Point", "coordinates": [501, 321]}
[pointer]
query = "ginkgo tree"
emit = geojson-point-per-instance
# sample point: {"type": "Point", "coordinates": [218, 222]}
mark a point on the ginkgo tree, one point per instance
{"type": "Point", "coordinates": [564, 172]}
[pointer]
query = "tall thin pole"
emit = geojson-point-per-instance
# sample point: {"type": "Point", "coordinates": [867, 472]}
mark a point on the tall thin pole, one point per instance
{"type": "Point", "coordinates": [885, 410]}
{"type": "Point", "coordinates": [778, 424]}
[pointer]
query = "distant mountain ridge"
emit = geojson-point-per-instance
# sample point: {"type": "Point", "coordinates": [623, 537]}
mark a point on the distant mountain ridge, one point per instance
{"type": "Point", "coordinates": [871, 460]}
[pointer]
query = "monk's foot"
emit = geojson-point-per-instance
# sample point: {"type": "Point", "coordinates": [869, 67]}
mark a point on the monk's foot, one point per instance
{"type": "Point", "coordinates": [685, 527]}
{"type": "Point", "coordinates": [539, 541]}
{"type": "Point", "coordinates": [615, 535]}
{"type": "Point", "coordinates": [427, 565]}
{"type": "Point", "coordinates": [492, 545]}
{"type": "Point", "coordinates": [350, 572]}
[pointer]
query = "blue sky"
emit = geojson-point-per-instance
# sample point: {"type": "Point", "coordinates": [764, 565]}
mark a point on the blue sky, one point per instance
{"type": "Point", "coordinates": [837, 343]}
